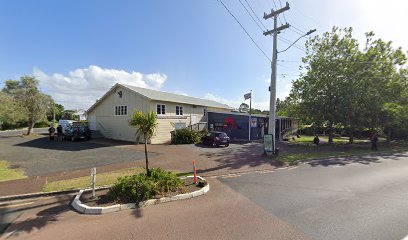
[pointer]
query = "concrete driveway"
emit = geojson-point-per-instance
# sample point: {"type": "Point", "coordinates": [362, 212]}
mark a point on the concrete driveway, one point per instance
{"type": "Point", "coordinates": [39, 156]}
{"type": "Point", "coordinates": [45, 161]}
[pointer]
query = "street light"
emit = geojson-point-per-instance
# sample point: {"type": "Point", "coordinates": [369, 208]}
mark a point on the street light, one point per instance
{"type": "Point", "coordinates": [304, 35]}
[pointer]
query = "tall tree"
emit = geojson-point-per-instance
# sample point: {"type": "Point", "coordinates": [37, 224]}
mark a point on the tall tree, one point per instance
{"type": "Point", "coordinates": [11, 87]}
{"type": "Point", "coordinates": [36, 103]}
{"type": "Point", "coordinates": [33, 101]}
{"type": "Point", "coordinates": [243, 108]}
{"type": "Point", "coordinates": [319, 91]}
{"type": "Point", "coordinates": [348, 86]}
{"type": "Point", "coordinates": [11, 112]}
{"type": "Point", "coordinates": [145, 125]}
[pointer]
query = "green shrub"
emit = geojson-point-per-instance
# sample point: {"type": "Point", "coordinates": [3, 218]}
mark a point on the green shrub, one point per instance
{"type": "Point", "coordinates": [187, 136]}
{"type": "Point", "coordinates": [140, 187]}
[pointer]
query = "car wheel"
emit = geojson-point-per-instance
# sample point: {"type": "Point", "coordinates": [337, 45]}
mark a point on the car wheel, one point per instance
{"type": "Point", "coordinates": [226, 145]}
{"type": "Point", "coordinates": [214, 144]}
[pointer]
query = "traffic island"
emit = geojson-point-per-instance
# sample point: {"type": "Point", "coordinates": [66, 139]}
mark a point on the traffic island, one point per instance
{"type": "Point", "coordinates": [84, 203]}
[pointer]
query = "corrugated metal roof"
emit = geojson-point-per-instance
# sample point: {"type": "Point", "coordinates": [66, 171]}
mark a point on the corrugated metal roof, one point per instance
{"type": "Point", "coordinates": [172, 97]}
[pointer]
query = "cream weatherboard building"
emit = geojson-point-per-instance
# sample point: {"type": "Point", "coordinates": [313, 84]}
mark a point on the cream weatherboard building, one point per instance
{"type": "Point", "coordinates": [110, 114]}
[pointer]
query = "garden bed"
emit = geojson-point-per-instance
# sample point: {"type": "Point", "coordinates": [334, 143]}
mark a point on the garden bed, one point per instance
{"type": "Point", "coordinates": [102, 200]}
{"type": "Point", "coordinates": [84, 203]}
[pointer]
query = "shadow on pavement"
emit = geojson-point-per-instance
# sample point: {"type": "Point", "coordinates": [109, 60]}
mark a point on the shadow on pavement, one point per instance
{"type": "Point", "coordinates": [45, 143]}
{"type": "Point", "coordinates": [200, 145]}
{"type": "Point", "coordinates": [238, 156]}
{"type": "Point", "coordinates": [366, 159]}
{"type": "Point", "coordinates": [43, 217]}
{"type": "Point", "coordinates": [137, 213]}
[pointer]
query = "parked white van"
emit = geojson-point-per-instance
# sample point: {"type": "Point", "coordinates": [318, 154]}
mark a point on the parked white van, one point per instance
{"type": "Point", "coordinates": [65, 123]}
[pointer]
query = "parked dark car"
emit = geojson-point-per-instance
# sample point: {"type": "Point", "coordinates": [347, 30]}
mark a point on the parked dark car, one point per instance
{"type": "Point", "coordinates": [216, 139]}
{"type": "Point", "coordinates": [77, 130]}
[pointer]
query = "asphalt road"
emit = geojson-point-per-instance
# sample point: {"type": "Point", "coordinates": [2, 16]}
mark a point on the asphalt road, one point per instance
{"type": "Point", "coordinates": [361, 198]}
{"type": "Point", "coordinates": [219, 214]}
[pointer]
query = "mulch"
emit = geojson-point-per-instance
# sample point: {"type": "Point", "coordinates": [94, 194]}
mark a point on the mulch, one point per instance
{"type": "Point", "coordinates": [101, 198]}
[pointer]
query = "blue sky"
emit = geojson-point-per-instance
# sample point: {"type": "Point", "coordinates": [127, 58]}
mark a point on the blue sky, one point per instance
{"type": "Point", "coordinates": [78, 49]}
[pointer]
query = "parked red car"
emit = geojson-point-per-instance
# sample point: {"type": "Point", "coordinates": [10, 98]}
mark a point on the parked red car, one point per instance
{"type": "Point", "coordinates": [216, 139]}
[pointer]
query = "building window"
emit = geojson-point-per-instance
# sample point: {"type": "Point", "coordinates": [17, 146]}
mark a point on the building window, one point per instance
{"type": "Point", "coordinates": [120, 110]}
{"type": "Point", "coordinates": [161, 109]}
{"type": "Point", "coordinates": [179, 110]}
{"type": "Point", "coordinates": [205, 111]}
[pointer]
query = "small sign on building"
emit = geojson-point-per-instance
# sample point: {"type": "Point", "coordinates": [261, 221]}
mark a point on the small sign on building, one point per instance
{"type": "Point", "coordinates": [254, 122]}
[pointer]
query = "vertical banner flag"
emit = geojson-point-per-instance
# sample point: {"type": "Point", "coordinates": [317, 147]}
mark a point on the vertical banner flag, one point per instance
{"type": "Point", "coordinates": [248, 95]}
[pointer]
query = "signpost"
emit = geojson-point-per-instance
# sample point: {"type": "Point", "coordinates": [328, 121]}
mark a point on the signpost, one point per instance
{"type": "Point", "coordinates": [93, 181]}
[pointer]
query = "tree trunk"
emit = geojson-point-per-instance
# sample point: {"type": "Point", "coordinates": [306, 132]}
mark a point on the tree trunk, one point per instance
{"type": "Point", "coordinates": [147, 159]}
{"type": "Point", "coordinates": [389, 135]}
{"type": "Point", "coordinates": [331, 133]}
{"type": "Point", "coordinates": [351, 137]}
{"type": "Point", "coordinates": [30, 128]}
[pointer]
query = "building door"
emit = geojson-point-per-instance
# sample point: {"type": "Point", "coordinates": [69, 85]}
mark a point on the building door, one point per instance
{"type": "Point", "coordinates": [193, 119]}
{"type": "Point", "coordinates": [92, 122]}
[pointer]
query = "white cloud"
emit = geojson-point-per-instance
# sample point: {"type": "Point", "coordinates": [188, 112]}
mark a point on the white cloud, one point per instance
{"type": "Point", "coordinates": [81, 87]}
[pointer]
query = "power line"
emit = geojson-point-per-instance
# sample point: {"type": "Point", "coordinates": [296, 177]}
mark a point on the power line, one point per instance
{"type": "Point", "coordinates": [274, 4]}
{"type": "Point", "coordinates": [283, 14]}
{"type": "Point", "coordinates": [249, 5]}
{"type": "Point", "coordinates": [307, 16]}
{"type": "Point", "coordinates": [294, 26]}
{"type": "Point", "coordinates": [282, 66]}
{"type": "Point", "coordinates": [289, 42]}
{"type": "Point", "coordinates": [253, 19]}
{"type": "Point", "coordinates": [243, 28]}
{"type": "Point", "coordinates": [369, 77]}
{"type": "Point", "coordinates": [296, 31]}
{"type": "Point", "coordinates": [298, 61]}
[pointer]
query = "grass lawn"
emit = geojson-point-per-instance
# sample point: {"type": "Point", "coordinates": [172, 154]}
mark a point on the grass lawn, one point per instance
{"type": "Point", "coordinates": [325, 139]}
{"type": "Point", "coordinates": [102, 179]}
{"type": "Point", "coordinates": [353, 151]}
{"type": "Point", "coordinates": [7, 173]}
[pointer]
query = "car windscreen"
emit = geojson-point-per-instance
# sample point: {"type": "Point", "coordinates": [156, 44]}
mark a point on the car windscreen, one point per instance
{"type": "Point", "coordinates": [223, 135]}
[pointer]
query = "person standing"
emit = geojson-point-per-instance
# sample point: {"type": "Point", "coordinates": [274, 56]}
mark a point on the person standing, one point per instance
{"type": "Point", "coordinates": [59, 133]}
{"type": "Point", "coordinates": [374, 141]}
{"type": "Point", "coordinates": [51, 132]}
{"type": "Point", "coordinates": [316, 140]}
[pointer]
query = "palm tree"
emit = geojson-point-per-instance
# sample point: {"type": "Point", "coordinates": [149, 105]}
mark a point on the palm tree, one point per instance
{"type": "Point", "coordinates": [145, 125]}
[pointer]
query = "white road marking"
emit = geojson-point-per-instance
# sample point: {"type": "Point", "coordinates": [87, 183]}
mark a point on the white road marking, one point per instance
{"type": "Point", "coordinates": [16, 205]}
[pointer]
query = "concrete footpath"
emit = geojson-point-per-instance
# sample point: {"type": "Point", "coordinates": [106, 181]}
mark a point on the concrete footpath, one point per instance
{"type": "Point", "coordinates": [220, 214]}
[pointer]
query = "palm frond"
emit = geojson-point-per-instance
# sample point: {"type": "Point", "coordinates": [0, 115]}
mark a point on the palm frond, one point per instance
{"type": "Point", "coordinates": [145, 124]}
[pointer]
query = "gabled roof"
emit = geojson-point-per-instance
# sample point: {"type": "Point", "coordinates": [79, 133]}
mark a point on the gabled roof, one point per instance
{"type": "Point", "coordinates": [172, 97]}
{"type": "Point", "coordinates": [164, 96]}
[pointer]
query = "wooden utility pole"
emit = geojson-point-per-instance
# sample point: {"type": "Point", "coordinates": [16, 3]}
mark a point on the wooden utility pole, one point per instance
{"type": "Point", "coordinates": [272, 100]}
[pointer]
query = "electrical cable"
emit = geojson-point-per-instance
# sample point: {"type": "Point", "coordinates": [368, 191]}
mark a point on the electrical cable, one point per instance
{"type": "Point", "coordinates": [243, 28]}
{"type": "Point", "coordinates": [250, 7]}
{"type": "Point", "coordinates": [253, 19]}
